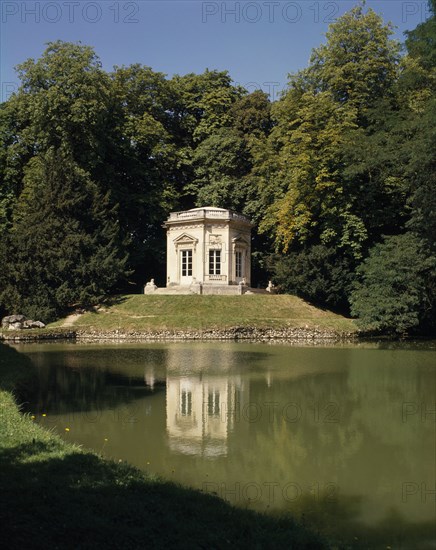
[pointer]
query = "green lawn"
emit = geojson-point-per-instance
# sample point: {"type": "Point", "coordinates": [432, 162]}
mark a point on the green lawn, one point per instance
{"type": "Point", "coordinates": [57, 495]}
{"type": "Point", "coordinates": [145, 312]}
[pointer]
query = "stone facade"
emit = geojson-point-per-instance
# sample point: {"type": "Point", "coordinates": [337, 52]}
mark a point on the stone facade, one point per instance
{"type": "Point", "coordinates": [209, 247]}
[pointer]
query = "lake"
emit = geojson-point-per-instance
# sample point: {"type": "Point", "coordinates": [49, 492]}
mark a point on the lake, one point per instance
{"type": "Point", "coordinates": [342, 436]}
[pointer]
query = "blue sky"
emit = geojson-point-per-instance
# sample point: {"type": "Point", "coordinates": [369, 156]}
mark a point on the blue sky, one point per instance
{"type": "Point", "coordinates": [258, 42]}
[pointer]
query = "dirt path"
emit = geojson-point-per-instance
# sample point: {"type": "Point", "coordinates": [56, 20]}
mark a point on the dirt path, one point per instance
{"type": "Point", "coordinates": [71, 319]}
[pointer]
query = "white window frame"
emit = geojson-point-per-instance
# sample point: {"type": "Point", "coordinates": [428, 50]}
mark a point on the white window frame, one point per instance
{"type": "Point", "coordinates": [215, 261]}
{"type": "Point", "coordinates": [186, 258]}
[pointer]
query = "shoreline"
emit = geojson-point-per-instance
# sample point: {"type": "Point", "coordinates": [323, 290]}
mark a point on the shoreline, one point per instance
{"type": "Point", "coordinates": [295, 334]}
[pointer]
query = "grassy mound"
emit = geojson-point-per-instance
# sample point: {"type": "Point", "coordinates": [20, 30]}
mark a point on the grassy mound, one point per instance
{"type": "Point", "coordinates": [193, 312]}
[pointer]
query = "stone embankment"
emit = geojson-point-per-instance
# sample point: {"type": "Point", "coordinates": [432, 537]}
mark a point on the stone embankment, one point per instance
{"type": "Point", "coordinates": [231, 333]}
{"type": "Point", "coordinates": [34, 335]}
{"type": "Point", "coordinates": [297, 334]}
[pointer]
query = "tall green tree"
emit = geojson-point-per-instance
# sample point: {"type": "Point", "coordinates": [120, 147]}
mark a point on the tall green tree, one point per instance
{"type": "Point", "coordinates": [392, 293]}
{"type": "Point", "coordinates": [204, 103]}
{"type": "Point", "coordinates": [201, 108]}
{"type": "Point", "coordinates": [313, 195]}
{"type": "Point", "coordinates": [144, 160]}
{"type": "Point", "coordinates": [220, 163]}
{"type": "Point", "coordinates": [116, 127]}
{"type": "Point", "coordinates": [64, 248]}
{"type": "Point", "coordinates": [223, 162]}
{"type": "Point", "coordinates": [419, 87]}
{"type": "Point", "coordinates": [311, 199]}
{"type": "Point", "coordinates": [64, 101]}
{"type": "Point", "coordinates": [396, 286]}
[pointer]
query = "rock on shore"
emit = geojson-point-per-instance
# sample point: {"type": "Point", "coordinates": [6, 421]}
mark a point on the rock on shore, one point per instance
{"type": "Point", "coordinates": [20, 322]}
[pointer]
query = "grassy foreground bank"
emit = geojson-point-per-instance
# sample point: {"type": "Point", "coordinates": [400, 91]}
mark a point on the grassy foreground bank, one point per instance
{"type": "Point", "coordinates": [56, 495]}
{"type": "Point", "coordinates": [151, 313]}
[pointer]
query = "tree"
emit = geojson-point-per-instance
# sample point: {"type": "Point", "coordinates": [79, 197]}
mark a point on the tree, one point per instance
{"type": "Point", "coordinates": [9, 171]}
{"type": "Point", "coordinates": [64, 248]}
{"type": "Point", "coordinates": [358, 65]}
{"type": "Point", "coordinates": [396, 290]}
{"type": "Point", "coordinates": [421, 42]}
{"type": "Point", "coordinates": [64, 101]}
{"type": "Point", "coordinates": [318, 274]}
{"type": "Point", "coordinates": [203, 103]}
{"type": "Point", "coordinates": [251, 115]}
{"type": "Point", "coordinates": [220, 163]}
{"type": "Point", "coordinates": [223, 161]}
{"type": "Point", "coordinates": [327, 194]}
{"type": "Point", "coordinates": [419, 143]}
{"type": "Point", "coordinates": [324, 109]}
{"type": "Point", "coordinates": [116, 127]}
{"type": "Point", "coordinates": [392, 293]}
{"type": "Point", "coordinates": [145, 163]}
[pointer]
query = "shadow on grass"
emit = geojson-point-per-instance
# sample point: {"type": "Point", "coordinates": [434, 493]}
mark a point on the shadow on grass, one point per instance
{"type": "Point", "coordinates": [81, 501]}
{"type": "Point", "coordinates": [108, 301]}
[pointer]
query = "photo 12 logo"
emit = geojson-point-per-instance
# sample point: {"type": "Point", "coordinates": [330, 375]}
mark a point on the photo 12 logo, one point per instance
{"type": "Point", "coordinates": [270, 492]}
{"type": "Point", "coordinates": [422, 412]}
{"type": "Point", "coordinates": [270, 12]}
{"type": "Point", "coordinates": [291, 412]}
{"type": "Point", "coordinates": [8, 89]}
{"type": "Point", "coordinates": [424, 492]}
{"type": "Point", "coordinates": [70, 12]}
{"type": "Point", "coordinates": [274, 90]}
{"type": "Point", "coordinates": [410, 11]}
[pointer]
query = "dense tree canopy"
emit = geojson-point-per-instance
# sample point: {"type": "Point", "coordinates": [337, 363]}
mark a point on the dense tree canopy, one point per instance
{"type": "Point", "coordinates": [396, 285]}
{"type": "Point", "coordinates": [326, 111]}
{"type": "Point", "coordinates": [65, 242]}
{"type": "Point", "coordinates": [338, 174]}
{"type": "Point", "coordinates": [392, 293]}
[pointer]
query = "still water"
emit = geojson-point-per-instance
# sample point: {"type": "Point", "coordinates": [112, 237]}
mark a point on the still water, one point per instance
{"type": "Point", "coordinates": [343, 436]}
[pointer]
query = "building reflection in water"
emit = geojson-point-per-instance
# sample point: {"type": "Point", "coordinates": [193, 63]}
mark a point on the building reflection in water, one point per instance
{"type": "Point", "coordinates": [201, 409]}
{"type": "Point", "coordinates": [149, 377]}
{"type": "Point", "coordinates": [201, 412]}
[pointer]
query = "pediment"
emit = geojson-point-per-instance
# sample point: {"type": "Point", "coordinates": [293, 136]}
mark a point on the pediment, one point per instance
{"type": "Point", "coordinates": [185, 238]}
{"type": "Point", "coordinates": [239, 240]}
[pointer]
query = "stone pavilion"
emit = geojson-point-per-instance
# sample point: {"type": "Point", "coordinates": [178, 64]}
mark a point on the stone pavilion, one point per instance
{"type": "Point", "coordinates": [208, 251]}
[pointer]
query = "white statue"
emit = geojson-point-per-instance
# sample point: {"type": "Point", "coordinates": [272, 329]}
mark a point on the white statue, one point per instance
{"type": "Point", "coordinates": [150, 287]}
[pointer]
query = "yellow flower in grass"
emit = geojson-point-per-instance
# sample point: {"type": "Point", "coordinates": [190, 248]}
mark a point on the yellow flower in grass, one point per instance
{"type": "Point", "coordinates": [67, 429]}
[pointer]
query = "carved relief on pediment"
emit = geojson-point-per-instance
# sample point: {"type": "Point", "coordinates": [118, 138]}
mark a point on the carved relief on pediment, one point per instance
{"type": "Point", "coordinates": [185, 240]}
